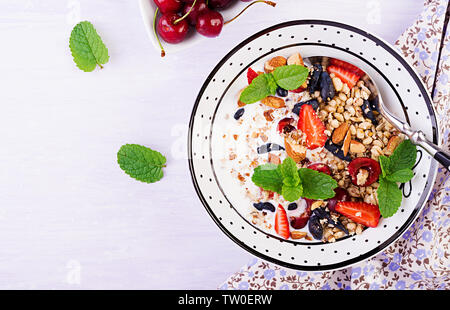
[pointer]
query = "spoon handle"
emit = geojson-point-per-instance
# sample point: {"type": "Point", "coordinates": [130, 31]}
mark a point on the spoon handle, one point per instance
{"type": "Point", "coordinates": [442, 157]}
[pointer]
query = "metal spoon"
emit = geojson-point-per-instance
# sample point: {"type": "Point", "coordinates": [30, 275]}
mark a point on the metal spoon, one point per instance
{"type": "Point", "coordinates": [416, 136]}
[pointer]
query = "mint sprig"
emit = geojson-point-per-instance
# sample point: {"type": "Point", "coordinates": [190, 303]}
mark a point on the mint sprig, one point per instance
{"type": "Point", "coordinates": [288, 77]}
{"type": "Point", "coordinates": [395, 168]}
{"type": "Point", "coordinates": [141, 163]}
{"type": "Point", "coordinates": [292, 183]}
{"type": "Point", "coordinates": [88, 49]}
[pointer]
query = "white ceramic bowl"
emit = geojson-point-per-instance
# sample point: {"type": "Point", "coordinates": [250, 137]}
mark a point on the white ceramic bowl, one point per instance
{"type": "Point", "coordinates": [402, 91]}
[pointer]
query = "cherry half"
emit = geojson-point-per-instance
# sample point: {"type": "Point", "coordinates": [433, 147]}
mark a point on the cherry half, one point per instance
{"type": "Point", "coordinates": [368, 164]}
{"type": "Point", "coordinates": [341, 195]}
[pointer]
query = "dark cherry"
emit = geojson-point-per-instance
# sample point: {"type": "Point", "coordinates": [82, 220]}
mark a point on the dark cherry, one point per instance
{"type": "Point", "coordinates": [298, 222]}
{"type": "Point", "coordinates": [320, 167]}
{"type": "Point", "coordinates": [220, 4]}
{"type": "Point", "coordinates": [209, 23]}
{"type": "Point", "coordinates": [200, 7]}
{"type": "Point", "coordinates": [167, 6]}
{"type": "Point", "coordinates": [341, 195]}
{"type": "Point", "coordinates": [171, 32]}
{"type": "Point", "coordinates": [283, 123]}
{"type": "Point", "coordinates": [368, 164]}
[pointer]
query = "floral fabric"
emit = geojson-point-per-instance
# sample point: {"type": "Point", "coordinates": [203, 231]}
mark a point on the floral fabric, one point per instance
{"type": "Point", "coordinates": [420, 258]}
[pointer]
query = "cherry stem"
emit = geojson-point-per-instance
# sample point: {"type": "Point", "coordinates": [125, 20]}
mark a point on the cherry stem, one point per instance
{"type": "Point", "coordinates": [185, 15]}
{"type": "Point", "coordinates": [163, 53]}
{"type": "Point", "coordinates": [254, 2]}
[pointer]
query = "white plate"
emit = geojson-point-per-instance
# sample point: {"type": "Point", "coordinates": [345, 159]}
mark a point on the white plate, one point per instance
{"type": "Point", "coordinates": [402, 91]}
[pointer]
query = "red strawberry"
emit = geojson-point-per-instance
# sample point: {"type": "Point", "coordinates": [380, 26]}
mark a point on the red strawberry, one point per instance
{"type": "Point", "coordinates": [347, 66]}
{"type": "Point", "coordinates": [310, 124]}
{"type": "Point", "coordinates": [363, 213]}
{"type": "Point", "coordinates": [299, 90]}
{"type": "Point", "coordinates": [281, 222]}
{"type": "Point", "coordinates": [251, 74]}
{"type": "Point", "coordinates": [347, 77]}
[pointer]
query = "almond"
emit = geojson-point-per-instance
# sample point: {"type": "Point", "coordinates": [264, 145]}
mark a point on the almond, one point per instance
{"type": "Point", "coordinates": [346, 145]}
{"type": "Point", "coordinates": [273, 63]}
{"type": "Point", "coordinates": [294, 150]}
{"type": "Point", "coordinates": [393, 142]}
{"type": "Point", "coordinates": [295, 234]}
{"type": "Point", "coordinates": [340, 133]}
{"type": "Point", "coordinates": [274, 159]}
{"type": "Point", "coordinates": [357, 147]}
{"type": "Point", "coordinates": [295, 59]}
{"type": "Point", "coordinates": [268, 115]}
{"type": "Point", "coordinates": [273, 102]}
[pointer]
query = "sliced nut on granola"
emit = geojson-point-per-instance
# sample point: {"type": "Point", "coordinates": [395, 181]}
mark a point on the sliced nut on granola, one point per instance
{"type": "Point", "coordinates": [340, 132]}
{"type": "Point", "coordinates": [394, 141]}
{"type": "Point", "coordinates": [337, 83]}
{"type": "Point", "coordinates": [268, 115]}
{"type": "Point", "coordinates": [295, 234]}
{"type": "Point", "coordinates": [346, 145]}
{"type": "Point", "coordinates": [273, 102]}
{"type": "Point", "coordinates": [295, 59]}
{"type": "Point", "coordinates": [357, 147]}
{"type": "Point", "coordinates": [273, 63]}
{"type": "Point", "coordinates": [274, 159]}
{"type": "Point", "coordinates": [294, 149]}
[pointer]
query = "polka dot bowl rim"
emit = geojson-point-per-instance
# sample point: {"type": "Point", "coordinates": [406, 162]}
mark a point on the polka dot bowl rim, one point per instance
{"type": "Point", "coordinates": [397, 81]}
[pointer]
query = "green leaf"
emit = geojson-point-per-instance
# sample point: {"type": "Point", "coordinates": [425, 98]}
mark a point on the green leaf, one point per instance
{"type": "Point", "coordinates": [268, 177]}
{"type": "Point", "coordinates": [288, 169]}
{"type": "Point", "coordinates": [87, 47]}
{"type": "Point", "coordinates": [403, 157]}
{"type": "Point", "coordinates": [401, 176]}
{"type": "Point", "coordinates": [292, 193]}
{"type": "Point", "coordinates": [290, 77]}
{"type": "Point", "coordinates": [389, 197]}
{"type": "Point", "coordinates": [141, 163]}
{"type": "Point", "coordinates": [261, 87]}
{"type": "Point", "coordinates": [384, 164]}
{"type": "Point", "coordinates": [317, 185]}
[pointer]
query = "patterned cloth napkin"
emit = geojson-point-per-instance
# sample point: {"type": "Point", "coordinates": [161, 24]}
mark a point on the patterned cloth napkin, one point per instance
{"type": "Point", "coordinates": [420, 258]}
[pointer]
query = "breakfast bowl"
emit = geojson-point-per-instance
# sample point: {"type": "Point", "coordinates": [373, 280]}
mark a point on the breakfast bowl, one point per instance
{"type": "Point", "coordinates": [221, 143]}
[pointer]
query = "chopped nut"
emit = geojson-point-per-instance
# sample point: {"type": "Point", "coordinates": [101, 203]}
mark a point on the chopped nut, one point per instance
{"type": "Point", "coordinates": [340, 133]}
{"type": "Point", "coordinates": [362, 176]}
{"type": "Point", "coordinates": [274, 159]}
{"type": "Point", "coordinates": [394, 141]}
{"type": "Point", "coordinates": [273, 63]}
{"type": "Point", "coordinates": [294, 149]}
{"type": "Point", "coordinates": [357, 147]}
{"type": "Point", "coordinates": [273, 102]}
{"type": "Point", "coordinates": [295, 59]}
{"type": "Point", "coordinates": [347, 142]}
{"type": "Point", "coordinates": [268, 115]}
{"type": "Point", "coordinates": [316, 204]}
{"type": "Point", "coordinates": [295, 234]}
{"type": "Point", "coordinates": [337, 83]}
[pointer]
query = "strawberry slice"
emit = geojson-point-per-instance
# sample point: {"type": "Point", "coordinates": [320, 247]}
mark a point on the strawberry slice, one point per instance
{"type": "Point", "coordinates": [251, 74]}
{"type": "Point", "coordinates": [347, 77]}
{"type": "Point", "coordinates": [347, 66]}
{"type": "Point", "coordinates": [281, 222]}
{"type": "Point", "coordinates": [299, 90]}
{"type": "Point", "coordinates": [363, 213]}
{"type": "Point", "coordinates": [310, 124]}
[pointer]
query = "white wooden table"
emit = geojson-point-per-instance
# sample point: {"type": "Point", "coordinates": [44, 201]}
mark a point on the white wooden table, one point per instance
{"type": "Point", "coordinates": [69, 217]}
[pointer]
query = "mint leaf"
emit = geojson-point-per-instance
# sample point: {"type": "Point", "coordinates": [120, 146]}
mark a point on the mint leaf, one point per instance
{"type": "Point", "coordinates": [290, 77]}
{"type": "Point", "coordinates": [288, 169]}
{"type": "Point", "coordinates": [268, 177]}
{"type": "Point", "coordinates": [384, 164]}
{"type": "Point", "coordinates": [141, 163]}
{"type": "Point", "coordinates": [317, 185]}
{"type": "Point", "coordinates": [389, 197]}
{"type": "Point", "coordinates": [292, 193]}
{"type": "Point", "coordinates": [87, 47]}
{"type": "Point", "coordinates": [401, 176]}
{"type": "Point", "coordinates": [261, 87]}
{"type": "Point", "coordinates": [403, 157]}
